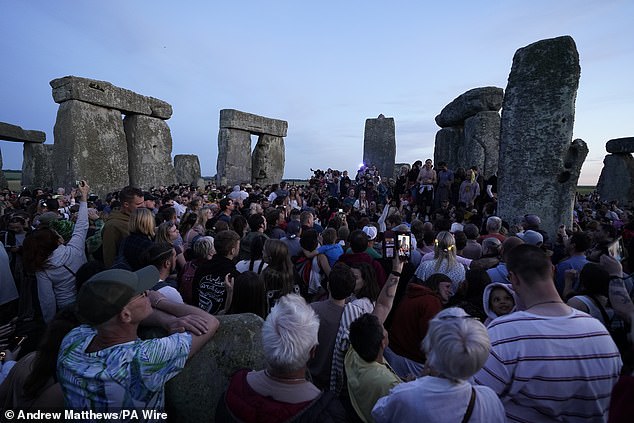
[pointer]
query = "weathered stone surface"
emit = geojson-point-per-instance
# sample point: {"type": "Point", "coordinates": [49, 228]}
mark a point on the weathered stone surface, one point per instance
{"type": "Point", "coordinates": [37, 165]}
{"type": "Point", "coordinates": [234, 157]}
{"type": "Point", "coordinates": [187, 167]}
{"type": "Point", "coordinates": [539, 167]}
{"type": "Point", "coordinates": [89, 144]}
{"type": "Point", "coordinates": [268, 160]}
{"type": "Point", "coordinates": [102, 93]}
{"type": "Point", "coordinates": [620, 145]}
{"type": "Point", "coordinates": [482, 142]}
{"type": "Point", "coordinates": [468, 104]}
{"type": "Point", "coordinates": [449, 143]}
{"type": "Point", "coordinates": [235, 119]}
{"type": "Point", "coordinates": [10, 132]}
{"type": "Point", "coordinates": [192, 396]}
{"type": "Point", "coordinates": [149, 151]}
{"type": "Point", "coordinates": [379, 144]}
{"type": "Point", "coordinates": [617, 179]}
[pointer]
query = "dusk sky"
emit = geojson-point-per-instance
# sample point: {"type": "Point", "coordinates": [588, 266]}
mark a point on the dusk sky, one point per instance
{"type": "Point", "coordinates": [325, 67]}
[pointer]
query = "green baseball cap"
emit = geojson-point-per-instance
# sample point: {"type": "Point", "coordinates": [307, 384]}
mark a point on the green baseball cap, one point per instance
{"type": "Point", "coordinates": [105, 294]}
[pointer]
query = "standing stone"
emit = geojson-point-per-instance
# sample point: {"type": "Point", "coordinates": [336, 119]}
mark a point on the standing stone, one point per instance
{"type": "Point", "coordinates": [187, 168]}
{"type": "Point", "coordinates": [469, 104]}
{"type": "Point", "coordinates": [482, 142]}
{"type": "Point", "coordinates": [617, 179]}
{"type": "Point", "coordinates": [37, 165]}
{"type": "Point", "coordinates": [449, 142]}
{"type": "Point", "coordinates": [89, 144]}
{"type": "Point", "coordinates": [234, 157]}
{"type": "Point", "coordinates": [268, 160]}
{"type": "Point", "coordinates": [192, 396]}
{"type": "Point", "coordinates": [539, 167]}
{"type": "Point", "coordinates": [149, 151]}
{"type": "Point", "coordinates": [379, 144]}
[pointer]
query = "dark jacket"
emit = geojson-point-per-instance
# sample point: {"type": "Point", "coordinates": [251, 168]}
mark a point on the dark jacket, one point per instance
{"type": "Point", "coordinates": [114, 230]}
{"type": "Point", "coordinates": [209, 291]}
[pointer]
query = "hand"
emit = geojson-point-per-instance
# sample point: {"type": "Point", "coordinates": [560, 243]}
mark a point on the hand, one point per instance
{"type": "Point", "coordinates": [84, 189]}
{"type": "Point", "coordinates": [612, 265]}
{"type": "Point", "coordinates": [155, 297]}
{"type": "Point", "coordinates": [397, 263]}
{"type": "Point", "coordinates": [229, 281]}
{"type": "Point", "coordinates": [569, 276]}
{"type": "Point", "coordinates": [191, 323]}
{"type": "Point", "coordinates": [93, 214]}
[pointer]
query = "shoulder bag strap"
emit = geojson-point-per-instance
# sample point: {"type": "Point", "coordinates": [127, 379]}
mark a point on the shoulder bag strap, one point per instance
{"type": "Point", "coordinates": [467, 414]}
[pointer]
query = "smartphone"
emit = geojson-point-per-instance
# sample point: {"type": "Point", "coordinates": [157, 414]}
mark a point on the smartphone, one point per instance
{"type": "Point", "coordinates": [404, 245]}
{"type": "Point", "coordinates": [389, 245]}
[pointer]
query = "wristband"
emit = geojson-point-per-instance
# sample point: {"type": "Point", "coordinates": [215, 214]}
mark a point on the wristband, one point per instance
{"type": "Point", "coordinates": [395, 273]}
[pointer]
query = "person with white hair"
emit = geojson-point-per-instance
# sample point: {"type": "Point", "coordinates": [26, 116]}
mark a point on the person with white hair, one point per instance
{"type": "Point", "coordinates": [493, 227]}
{"type": "Point", "coordinates": [281, 391]}
{"type": "Point", "coordinates": [456, 346]}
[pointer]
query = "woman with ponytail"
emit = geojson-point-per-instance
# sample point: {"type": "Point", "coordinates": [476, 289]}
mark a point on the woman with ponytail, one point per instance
{"type": "Point", "coordinates": [444, 261]}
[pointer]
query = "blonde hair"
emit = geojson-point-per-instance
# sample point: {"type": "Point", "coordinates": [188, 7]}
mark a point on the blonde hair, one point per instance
{"type": "Point", "coordinates": [444, 249]}
{"type": "Point", "coordinates": [142, 221]}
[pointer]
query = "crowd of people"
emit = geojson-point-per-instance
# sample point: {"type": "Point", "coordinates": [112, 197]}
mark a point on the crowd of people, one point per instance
{"type": "Point", "coordinates": [384, 299]}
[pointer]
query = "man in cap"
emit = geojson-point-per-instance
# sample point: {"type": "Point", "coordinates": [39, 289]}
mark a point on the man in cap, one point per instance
{"type": "Point", "coordinates": [371, 232]}
{"type": "Point", "coordinates": [104, 365]}
{"type": "Point", "coordinates": [149, 201]}
{"type": "Point", "coordinates": [531, 237]}
{"type": "Point", "coordinates": [532, 222]}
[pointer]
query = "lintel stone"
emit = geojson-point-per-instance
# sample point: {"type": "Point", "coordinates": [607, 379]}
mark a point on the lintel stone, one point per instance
{"type": "Point", "coordinates": [102, 93]}
{"type": "Point", "coordinates": [10, 132]}
{"type": "Point", "coordinates": [235, 119]}
{"type": "Point", "coordinates": [620, 146]}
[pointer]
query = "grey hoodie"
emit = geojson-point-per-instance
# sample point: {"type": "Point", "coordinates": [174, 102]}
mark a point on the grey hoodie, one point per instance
{"type": "Point", "coordinates": [486, 295]}
{"type": "Point", "coordinates": [56, 284]}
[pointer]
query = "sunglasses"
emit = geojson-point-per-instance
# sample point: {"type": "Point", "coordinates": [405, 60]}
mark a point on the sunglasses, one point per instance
{"type": "Point", "coordinates": [136, 297]}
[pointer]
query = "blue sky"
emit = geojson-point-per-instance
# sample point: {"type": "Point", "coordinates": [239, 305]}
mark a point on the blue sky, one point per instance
{"type": "Point", "coordinates": [325, 67]}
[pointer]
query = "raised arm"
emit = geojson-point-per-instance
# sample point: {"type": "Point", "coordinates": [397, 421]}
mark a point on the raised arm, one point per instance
{"type": "Point", "coordinates": [386, 296]}
{"type": "Point", "coordinates": [177, 317]}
